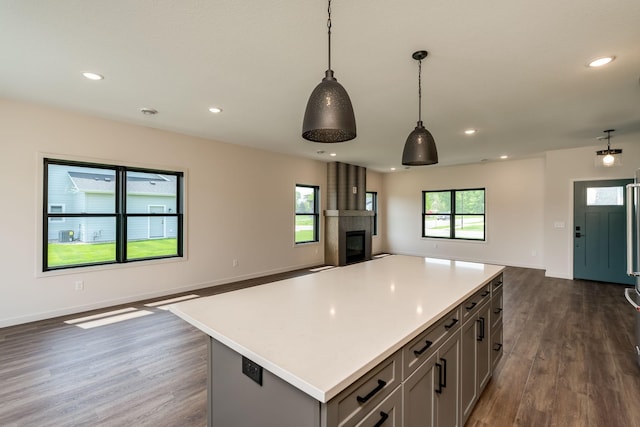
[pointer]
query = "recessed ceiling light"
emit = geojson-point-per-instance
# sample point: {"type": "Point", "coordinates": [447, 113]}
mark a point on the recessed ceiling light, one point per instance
{"type": "Point", "coordinates": [92, 76]}
{"type": "Point", "coordinates": [470, 131]}
{"type": "Point", "coordinates": [332, 154]}
{"type": "Point", "coordinates": [599, 62]}
{"type": "Point", "coordinates": [393, 169]}
{"type": "Point", "coordinates": [504, 157]}
{"type": "Point", "coordinates": [215, 110]}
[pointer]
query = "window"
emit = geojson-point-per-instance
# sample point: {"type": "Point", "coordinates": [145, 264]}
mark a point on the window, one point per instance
{"type": "Point", "coordinates": [454, 214]}
{"type": "Point", "coordinates": [56, 209]}
{"type": "Point", "coordinates": [371, 204]}
{"type": "Point", "coordinates": [307, 214]}
{"type": "Point", "coordinates": [105, 214]}
{"type": "Point", "coordinates": [605, 196]}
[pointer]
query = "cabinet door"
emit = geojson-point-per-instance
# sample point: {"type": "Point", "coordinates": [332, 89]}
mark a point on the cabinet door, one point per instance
{"type": "Point", "coordinates": [419, 390]}
{"type": "Point", "coordinates": [483, 347]}
{"type": "Point", "coordinates": [447, 372]}
{"type": "Point", "coordinates": [468, 367]}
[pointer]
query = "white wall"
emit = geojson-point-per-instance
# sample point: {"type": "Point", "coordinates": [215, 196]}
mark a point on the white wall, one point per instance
{"type": "Point", "coordinates": [230, 214]}
{"type": "Point", "coordinates": [514, 211]}
{"type": "Point", "coordinates": [562, 169]}
{"type": "Point", "coordinates": [374, 183]}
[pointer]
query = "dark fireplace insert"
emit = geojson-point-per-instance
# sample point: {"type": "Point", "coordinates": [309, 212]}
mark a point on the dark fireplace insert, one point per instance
{"type": "Point", "coordinates": [355, 246]}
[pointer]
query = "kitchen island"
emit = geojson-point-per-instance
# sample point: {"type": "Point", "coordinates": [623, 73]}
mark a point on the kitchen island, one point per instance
{"type": "Point", "coordinates": [342, 346]}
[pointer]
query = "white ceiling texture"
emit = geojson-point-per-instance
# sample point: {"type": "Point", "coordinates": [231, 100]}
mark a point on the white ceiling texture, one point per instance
{"type": "Point", "coordinates": [515, 70]}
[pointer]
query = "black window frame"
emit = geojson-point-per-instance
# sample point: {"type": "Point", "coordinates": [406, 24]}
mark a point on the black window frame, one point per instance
{"type": "Point", "coordinates": [374, 202]}
{"type": "Point", "coordinates": [120, 215]}
{"type": "Point", "coordinates": [453, 213]}
{"type": "Point", "coordinates": [315, 214]}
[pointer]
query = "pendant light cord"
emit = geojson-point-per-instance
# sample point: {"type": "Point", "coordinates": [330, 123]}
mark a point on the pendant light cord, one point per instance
{"type": "Point", "coordinates": [329, 31]}
{"type": "Point", "coordinates": [420, 90]}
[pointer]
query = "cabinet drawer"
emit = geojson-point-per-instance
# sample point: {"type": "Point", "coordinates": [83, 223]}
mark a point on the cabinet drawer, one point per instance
{"type": "Point", "coordinates": [421, 347]}
{"type": "Point", "coordinates": [496, 346]}
{"type": "Point", "coordinates": [496, 308]}
{"type": "Point", "coordinates": [473, 303]}
{"type": "Point", "coordinates": [496, 283]}
{"type": "Point", "coordinates": [357, 400]}
{"type": "Point", "coordinates": [388, 413]}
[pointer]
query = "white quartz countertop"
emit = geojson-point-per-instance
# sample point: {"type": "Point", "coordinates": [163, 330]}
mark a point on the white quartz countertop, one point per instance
{"type": "Point", "coordinates": [321, 332]}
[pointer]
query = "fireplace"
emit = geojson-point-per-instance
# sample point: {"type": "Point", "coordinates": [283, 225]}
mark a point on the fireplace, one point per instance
{"type": "Point", "coordinates": [355, 246]}
{"type": "Point", "coordinates": [348, 224]}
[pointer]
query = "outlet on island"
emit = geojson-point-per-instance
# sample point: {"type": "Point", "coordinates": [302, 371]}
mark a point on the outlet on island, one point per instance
{"type": "Point", "coordinates": [252, 370]}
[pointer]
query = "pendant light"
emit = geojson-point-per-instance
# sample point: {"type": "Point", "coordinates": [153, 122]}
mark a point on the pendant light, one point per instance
{"type": "Point", "coordinates": [329, 115]}
{"type": "Point", "coordinates": [420, 148]}
{"type": "Point", "coordinates": [608, 157]}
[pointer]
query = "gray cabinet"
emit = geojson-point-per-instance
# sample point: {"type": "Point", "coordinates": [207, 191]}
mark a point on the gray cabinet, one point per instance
{"type": "Point", "coordinates": [477, 338]}
{"type": "Point", "coordinates": [419, 395]}
{"type": "Point", "coordinates": [431, 393]}
{"type": "Point", "coordinates": [361, 399]}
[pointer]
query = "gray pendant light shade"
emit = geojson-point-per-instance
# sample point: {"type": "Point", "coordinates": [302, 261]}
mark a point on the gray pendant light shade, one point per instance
{"type": "Point", "coordinates": [329, 115]}
{"type": "Point", "coordinates": [420, 148]}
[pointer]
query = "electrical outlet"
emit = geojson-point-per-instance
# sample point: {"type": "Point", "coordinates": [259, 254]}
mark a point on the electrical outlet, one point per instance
{"type": "Point", "coordinates": [252, 370]}
{"type": "Point", "coordinates": [79, 285]}
{"type": "Point", "coordinates": [235, 262]}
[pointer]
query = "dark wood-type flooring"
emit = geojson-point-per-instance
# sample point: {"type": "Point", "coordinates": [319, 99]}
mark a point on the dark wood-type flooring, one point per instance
{"type": "Point", "coordinates": [568, 361]}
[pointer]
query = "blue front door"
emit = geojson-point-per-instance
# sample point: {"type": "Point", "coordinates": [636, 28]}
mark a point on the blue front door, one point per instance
{"type": "Point", "coordinates": [599, 232]}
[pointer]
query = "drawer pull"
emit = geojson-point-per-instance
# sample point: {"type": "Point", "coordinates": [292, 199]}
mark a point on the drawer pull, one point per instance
{"type": "Point", "coordinates": [383, 418]}
{"type": "Point", "coordinates": [473, 304]}
{"type": "Point", "coordinates": [497, 310]}
{"type": "Point", "coordinates": [379, 387]}
{"type": "Point", "coordinates": [453, 322]}
{"type": "Point", "coordinates": [497, 347]}
{"type": "Point", "coordinates": [485, 293]}
{"type": "Point", "coordinates": [423, 349]}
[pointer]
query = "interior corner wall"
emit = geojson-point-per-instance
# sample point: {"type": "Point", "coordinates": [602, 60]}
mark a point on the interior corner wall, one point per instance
{"type": "Point", "coordinates": [514, 207]}
{"type": "Point", "coordinates": [562, 169]}
{"type": "Point", "coordinates": [374, 183]}
{"type": "Point", "coordinates": [239, 205]}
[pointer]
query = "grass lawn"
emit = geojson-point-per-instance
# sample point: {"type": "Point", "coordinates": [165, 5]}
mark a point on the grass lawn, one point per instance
{"type": "Point", "coordinates": [61, 254]}
{"type": "Point", "coordinates": [304, 236]}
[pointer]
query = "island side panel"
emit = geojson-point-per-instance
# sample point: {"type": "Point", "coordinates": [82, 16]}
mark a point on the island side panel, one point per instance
{"type": "Point", "coordinates": [236, 400]}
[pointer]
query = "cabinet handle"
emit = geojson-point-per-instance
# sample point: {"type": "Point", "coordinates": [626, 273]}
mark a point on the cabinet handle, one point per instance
{"type": "Point", "coordinates": [497, 310]}
{"type": "Point", "coordinates": [473, 304]}
{"type": "Point", "coordinates": [444, 374]}
{"type": "Point", "coordinates": [423, 349]}
{"type": "Point", "coordinates": [497, 347]}
{"type": "Point", "coordinates": [383, 418]}
{"type": "Point", "coordinates": [481, 324]}
{"type": "Point", "coordinates": [379, 387]}
{"type": "Point", "coordinates": [439, 389]}
{"type": "Point", "coordinates": [485, 293]}
{"type": "Point", "coordinates": [453, 322]}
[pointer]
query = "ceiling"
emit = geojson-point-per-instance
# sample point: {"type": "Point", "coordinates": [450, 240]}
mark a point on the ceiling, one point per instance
{"type": "Point", "coordinates": [515, 70]}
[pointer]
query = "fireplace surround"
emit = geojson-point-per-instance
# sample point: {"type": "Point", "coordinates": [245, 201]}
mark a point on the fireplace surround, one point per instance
{"type": "Point", "coordinates": [346, 213]}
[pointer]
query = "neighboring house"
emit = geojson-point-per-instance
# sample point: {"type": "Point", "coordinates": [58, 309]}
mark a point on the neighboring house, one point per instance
{"type": "Point", "coordinates": [74, 190]}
